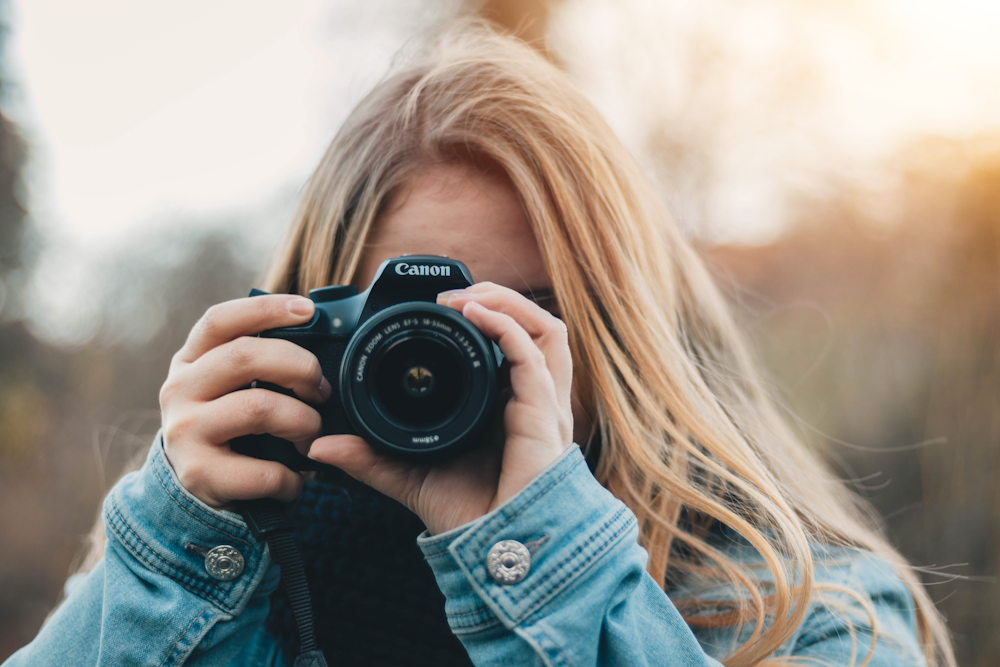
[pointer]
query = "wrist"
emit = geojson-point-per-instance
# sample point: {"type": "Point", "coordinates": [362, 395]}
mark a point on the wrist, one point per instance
{"type": "Point", "coordinates": [157, 524]}
{"type": "Point", "coordinates": [535, 457]}
{"type": "Point", "coordinates": [565, 520]}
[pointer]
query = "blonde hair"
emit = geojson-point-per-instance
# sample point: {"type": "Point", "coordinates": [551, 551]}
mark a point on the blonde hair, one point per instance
{"type": "Point", "coordinates": [686, 435]}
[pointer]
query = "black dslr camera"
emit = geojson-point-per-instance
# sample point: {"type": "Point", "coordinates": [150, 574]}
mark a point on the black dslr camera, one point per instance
{"type": "Point", "coordinates": [414, 379]}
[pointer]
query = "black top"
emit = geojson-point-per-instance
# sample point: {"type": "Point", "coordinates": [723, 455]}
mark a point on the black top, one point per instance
{"type": "Point", "coordinates": [375, 600]}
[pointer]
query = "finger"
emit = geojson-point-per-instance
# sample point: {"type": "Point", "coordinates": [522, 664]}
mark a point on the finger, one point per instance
{"type": "Point", "coordinates": [357, 458]}
{"type": "Point", "coordinates": [244, 317]}
{"type": "Point", "coordinates": [257, 411]}
{"type": "Point", "coordinates": [239, 362]}
{"type": "Point", "coordinates": [227, 476]}
{"type": "Point", "coordinates": [530, 377]}
{"type": "Point", "coordinates": [535, 320]}
{"type": "Point", "coordinates": [548, 333]}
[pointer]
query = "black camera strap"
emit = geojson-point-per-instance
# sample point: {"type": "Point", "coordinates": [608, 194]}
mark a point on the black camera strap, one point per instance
{"type": "Point", "coordinates": [269, 522]}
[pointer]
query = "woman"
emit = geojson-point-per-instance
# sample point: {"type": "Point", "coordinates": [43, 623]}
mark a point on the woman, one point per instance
{"type": "Point", "coordinates": [706, 533]}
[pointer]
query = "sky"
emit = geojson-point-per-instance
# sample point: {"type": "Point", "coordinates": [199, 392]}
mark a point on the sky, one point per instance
{"type": "Point", "coordinates": [136, 107]}
{"type": "Point", "coordinates": [140, 114]}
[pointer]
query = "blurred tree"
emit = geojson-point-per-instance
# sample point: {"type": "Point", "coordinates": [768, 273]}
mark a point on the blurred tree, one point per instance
{"type": "Point", "coordinates": [24, 406]}
{"type": "Point", "coordinates": [883, 335]}
{"type": "Point", "coordinates": [13, 215]}
{"type": "Point", "coordinates": [71, 420]}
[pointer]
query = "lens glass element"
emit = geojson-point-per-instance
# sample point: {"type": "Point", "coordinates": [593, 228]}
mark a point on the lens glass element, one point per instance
{"type": "Point", "coordinates": [418, 380]}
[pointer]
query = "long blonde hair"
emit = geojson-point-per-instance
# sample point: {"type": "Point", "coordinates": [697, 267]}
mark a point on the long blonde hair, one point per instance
{"type": "Point", "coordinates": [686, 435]}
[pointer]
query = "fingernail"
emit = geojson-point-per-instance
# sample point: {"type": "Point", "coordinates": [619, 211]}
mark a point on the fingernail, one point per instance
{"type": "Point", "coordinates": [301, 306]}
{"type": "Point", "coordinates": [325, 389]}
{"type": "Point", "coordinates": [447, 294]}
{"type": "Point", "coordinates": [311, 453]}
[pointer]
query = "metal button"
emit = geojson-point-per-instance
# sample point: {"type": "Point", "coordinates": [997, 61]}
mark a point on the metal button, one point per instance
{"type": "Point", "coordinates": [508, 562]}
{"type": "Point", "coordinates": [224, 562]}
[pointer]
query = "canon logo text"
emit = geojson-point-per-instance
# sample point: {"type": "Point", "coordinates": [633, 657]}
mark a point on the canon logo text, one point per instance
{"type": "Point", "coordinates": [405, 269]}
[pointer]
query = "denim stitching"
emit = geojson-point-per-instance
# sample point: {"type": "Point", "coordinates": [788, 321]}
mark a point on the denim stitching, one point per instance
{"type": "Point", "coordinates": [541, 648]}
{"type": "Point", "coordinates": [596, 554]}
{"type": "Point", "coordinates": [179, 638]}
{"type": "Point", "coordinates": [489, 536]}
{"type": "Point", "coordinates": [136, 552]}
{"type": "Point", "coordinates": [573, 554]}
{"type": "Point", "coordinates": [557, 585]}
{"type": "Point", "coordinates": [476, 628]}
{"type": "Point", "coordinates": [553, 587]}
{"type": "Point", "coordinates": [470, 613]}
{"type": "Point", "coordinates": [174, 572]}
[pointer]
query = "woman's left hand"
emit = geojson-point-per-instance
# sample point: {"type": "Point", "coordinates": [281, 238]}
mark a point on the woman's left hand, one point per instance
{"type": "Point", "coordinates": [538, 420]}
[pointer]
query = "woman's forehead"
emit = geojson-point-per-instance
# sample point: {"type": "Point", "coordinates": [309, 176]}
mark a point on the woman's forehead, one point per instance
{"type": "Point", "coordinates": [455, 210]}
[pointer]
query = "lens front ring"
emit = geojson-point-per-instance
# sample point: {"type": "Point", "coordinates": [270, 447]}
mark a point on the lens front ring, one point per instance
{"type": "Point", "coordinates": [412, 335]}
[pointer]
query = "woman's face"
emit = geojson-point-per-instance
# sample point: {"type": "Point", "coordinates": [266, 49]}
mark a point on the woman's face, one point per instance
{"type": "Point", "coordinates": [470, 215]}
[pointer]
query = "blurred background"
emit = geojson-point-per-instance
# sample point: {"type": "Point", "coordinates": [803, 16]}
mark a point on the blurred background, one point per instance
{"type": "Point", "coordinates": [836, 162]}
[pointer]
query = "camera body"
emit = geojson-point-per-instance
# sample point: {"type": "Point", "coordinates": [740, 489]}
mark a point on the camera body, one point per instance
{"type": "Point", "coordinates": [414, 379]}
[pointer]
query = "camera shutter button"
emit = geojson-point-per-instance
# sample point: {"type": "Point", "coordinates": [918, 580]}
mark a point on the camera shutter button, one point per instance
{"type": "Point", "coordinates": [224, 562]}
{"type": "Point", "coordinates": [508, 562]}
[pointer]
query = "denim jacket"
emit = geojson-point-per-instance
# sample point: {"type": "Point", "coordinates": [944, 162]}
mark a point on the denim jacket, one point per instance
{"type": "Point", "coordinates": [582, 596]}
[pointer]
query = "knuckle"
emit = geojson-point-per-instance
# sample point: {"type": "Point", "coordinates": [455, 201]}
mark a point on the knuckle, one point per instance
{"type": "Point", "coordinates": [306, 423]}
{"type": "Point", "coordinates": [270, 480]}
{"type": "Point", "coordinates": [181, 430]}
{"type": "Point", "coordinates": [315, 422]}
{"type": "Point", "coordinates": [310, 369]}
{"type": "Point", "coordinates": [240, 352]}
{"type": "Point", "coordinates": [173, 432]}
{"type": "Point", "coordinates": [182, 426]}
{"type": "Point", "coordinates": [167, 393]}
{"type": "Point", "coordinates": [209, 322]}
{"type": "Point", "coordinates": [258, 406]}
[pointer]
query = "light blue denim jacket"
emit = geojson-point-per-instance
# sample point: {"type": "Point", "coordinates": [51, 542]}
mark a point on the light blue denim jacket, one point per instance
{"type": "Point", "coordinates": [586, 599]}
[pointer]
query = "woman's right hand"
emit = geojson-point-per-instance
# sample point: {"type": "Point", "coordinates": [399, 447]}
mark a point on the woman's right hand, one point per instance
{"type": "Point", "coordinates": [203, 410]}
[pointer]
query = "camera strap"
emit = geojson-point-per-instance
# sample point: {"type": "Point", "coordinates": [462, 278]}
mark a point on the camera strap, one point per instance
{"type": "Point", "coordinates": [269, 522]}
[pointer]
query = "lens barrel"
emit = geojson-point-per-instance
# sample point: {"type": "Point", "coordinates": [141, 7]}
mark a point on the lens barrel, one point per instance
{"type": "Point", "coordinates": [418, 380]}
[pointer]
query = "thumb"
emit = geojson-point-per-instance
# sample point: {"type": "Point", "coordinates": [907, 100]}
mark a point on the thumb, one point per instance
{"type": "Point", "coordinates": [396, 479]}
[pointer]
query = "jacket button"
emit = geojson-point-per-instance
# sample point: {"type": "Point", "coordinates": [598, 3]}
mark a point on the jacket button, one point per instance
{"type": "Point", "coordinates": [224, 562]}
{"type": "Point", "coordinates": [508, 562]}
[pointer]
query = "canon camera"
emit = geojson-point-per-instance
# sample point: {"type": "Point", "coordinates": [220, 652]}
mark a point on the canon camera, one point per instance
{"type": "Point", "coordinates": [413, 378]}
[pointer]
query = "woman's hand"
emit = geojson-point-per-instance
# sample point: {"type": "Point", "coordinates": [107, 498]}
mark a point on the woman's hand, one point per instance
{"type": "Point", "coordinates": [538, 420]}
{"type": "Point", "coordinates": [202, 409]}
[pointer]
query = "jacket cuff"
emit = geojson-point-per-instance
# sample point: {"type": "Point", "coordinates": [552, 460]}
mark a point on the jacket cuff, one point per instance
{"type": "Point", "coordinates": [169, 531]}
{"type": "Point", "coordinates": [568, 522]}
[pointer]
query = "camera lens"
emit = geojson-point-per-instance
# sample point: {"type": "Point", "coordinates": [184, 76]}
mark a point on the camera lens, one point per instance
{"type": "Point", "coordinates": [418, 382]}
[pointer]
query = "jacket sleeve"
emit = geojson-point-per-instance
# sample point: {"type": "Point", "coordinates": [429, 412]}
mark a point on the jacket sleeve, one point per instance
{"type": "Point", "coordinates": [582, 597]}
{"type": "Point", "coordinates": [576, 594]}
{"type": "Point", "coordinates": [152, 600]}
